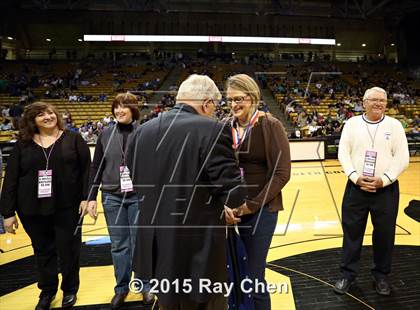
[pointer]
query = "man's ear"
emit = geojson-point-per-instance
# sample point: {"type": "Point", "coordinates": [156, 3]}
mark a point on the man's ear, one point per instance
{"type": "Point", "coordinates": [363, 104]}
{"type": "Point", "coordinates": [205, 105]}
{"type": "Point", "coordinates": [201, 108]}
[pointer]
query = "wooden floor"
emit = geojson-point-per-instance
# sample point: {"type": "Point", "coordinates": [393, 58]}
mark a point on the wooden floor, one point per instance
{"type": "Point", "coordinates": [308, 237]}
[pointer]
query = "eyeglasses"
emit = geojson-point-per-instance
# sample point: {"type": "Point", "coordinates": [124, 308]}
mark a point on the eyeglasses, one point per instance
{"type": "Point", "coordinates": [376, 100]}
{"type": "Point", "coordinates": [237, 99]}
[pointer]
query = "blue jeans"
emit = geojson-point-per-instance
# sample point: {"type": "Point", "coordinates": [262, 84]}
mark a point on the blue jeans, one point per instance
{"type": "Point", "coordinates": [121, 216]}
{"type": "Point", "coordinates": [257, 245]}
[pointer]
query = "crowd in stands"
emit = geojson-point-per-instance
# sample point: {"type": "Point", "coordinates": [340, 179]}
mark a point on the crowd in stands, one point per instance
{"type": "Point", "coordinates": [66, 85]}
{"type": "Point", "coordinates": [318, 109]}
{"type": "Point", "coordinates": [322, 107]}
{"type": "Point", "coordinates": [69, 83]}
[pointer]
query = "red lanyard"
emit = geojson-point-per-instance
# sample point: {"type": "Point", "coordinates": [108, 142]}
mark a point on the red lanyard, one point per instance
{"type": "Point", "coordinates": [237, 140]}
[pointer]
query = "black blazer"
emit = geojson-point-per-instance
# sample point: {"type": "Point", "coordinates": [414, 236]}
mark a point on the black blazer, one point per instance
{"type": "Point", "coordinates": [70, 160]}
{"type": "Point", "coordinates": [184, 169]}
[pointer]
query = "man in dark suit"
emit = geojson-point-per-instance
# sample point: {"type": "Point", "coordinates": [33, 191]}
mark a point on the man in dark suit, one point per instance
{"type": "Point", "coordinates": [185, 171]}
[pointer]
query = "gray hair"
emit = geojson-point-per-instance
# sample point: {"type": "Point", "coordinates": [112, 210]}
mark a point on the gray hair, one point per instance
{"type": "Point", "coordinates": [198, 87]}
{"type": "Point", "coordinates": [370, 90]}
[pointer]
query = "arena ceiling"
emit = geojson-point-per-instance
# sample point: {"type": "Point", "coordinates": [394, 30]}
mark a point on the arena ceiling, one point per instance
{"type": "Point", "coordinates": [359, 9]}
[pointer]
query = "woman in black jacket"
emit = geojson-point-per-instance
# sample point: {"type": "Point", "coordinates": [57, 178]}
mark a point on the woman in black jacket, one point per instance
{"type": "Point", "coordinates": [46, 184]}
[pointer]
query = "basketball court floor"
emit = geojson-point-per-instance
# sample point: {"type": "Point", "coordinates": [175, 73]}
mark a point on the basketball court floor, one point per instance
{"type": "Point", "coordinates": [303, 259]}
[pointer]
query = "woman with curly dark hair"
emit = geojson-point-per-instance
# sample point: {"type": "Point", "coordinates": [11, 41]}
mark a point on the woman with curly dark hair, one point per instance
{"type": "Point", "coordinates": [46, 185]}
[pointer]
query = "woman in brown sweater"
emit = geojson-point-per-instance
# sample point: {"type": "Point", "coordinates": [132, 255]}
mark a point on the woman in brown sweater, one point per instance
{"type": "Point", "coordinates": [263, 154]}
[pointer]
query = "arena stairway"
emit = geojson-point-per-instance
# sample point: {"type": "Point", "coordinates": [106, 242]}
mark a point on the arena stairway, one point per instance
{"type": "Point", "coordinates": [171, 80]}
{"type": "Point", "coordinates": [274, 108]}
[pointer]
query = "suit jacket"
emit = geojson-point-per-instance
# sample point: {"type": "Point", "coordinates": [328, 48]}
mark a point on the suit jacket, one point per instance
{"type": "Point", "coordinates": [184, 169]}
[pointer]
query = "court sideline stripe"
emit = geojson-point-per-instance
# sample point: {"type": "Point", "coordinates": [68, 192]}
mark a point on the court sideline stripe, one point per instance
{"type": "Point", "coordinates": [25, 246]}
{"type": "Point", "coordinates": [322, 281]}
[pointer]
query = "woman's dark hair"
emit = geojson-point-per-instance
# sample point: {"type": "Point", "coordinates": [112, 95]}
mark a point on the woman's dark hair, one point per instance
{"type": "Point", "coordinates": [127, 100]}
{"type": "Point", "coordinates": [28, 128]}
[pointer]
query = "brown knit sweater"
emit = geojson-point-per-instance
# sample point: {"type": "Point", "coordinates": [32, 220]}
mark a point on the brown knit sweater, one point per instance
{"type": "Point", "coordinates": [277, 153]}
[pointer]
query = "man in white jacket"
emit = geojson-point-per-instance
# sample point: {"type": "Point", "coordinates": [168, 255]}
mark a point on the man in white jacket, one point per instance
{"type": "Point", "coordinates": [373, 152]}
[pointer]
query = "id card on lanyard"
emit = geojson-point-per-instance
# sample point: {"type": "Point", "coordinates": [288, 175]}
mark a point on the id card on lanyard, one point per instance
{"type": "Point", "coordinates": [370, 163]}
{"type": "Point", "coordinates": [44, 183]}
{"type": "Point", "coordinates": [238, 140]}
{"type": "Point", "coordinates": [125, 180]}
{"type": "Point", "coordinates": [370, 155]}
{"type": "Point", "coordinates": [126, 184]}
{"type": "Point", "coordinates": [45, 176]}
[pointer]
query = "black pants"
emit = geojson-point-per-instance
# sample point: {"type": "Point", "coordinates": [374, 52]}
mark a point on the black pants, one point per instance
{"type": "Point", "coordinates": [383, 209]}
{"type": "Point", "coordinates": [55, 236]}
{"type": "Point", "coordinates": [218, 302]}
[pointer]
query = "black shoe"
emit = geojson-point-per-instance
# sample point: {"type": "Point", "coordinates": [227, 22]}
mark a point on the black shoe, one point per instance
{"type": "Point", "coordinates": [148, 298]}
{"type": "Point", "coordinates": [382, 287]}
{"type": "Point", "coordinates": [118, 300]}
{"type": "Point", "coordinates": [69, 300]}
{"type": "Point", "coordinates": [44, 302]}
{"type": "Point", "coordinates": [342, 286]}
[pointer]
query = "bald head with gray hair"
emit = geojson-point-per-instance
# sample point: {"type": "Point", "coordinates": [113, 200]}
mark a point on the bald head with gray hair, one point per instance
{"type": "Point", "coordinates": [198, 88]}
{"type": "Point", "coordinates": [371, 90]}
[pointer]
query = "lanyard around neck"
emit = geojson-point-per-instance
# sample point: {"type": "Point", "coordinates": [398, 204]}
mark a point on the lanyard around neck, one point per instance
{"type": "Point", "coordinates": [47, 157]}
{"type": "Point", "coordinates": [237, 139]}
{"type": "Point", "coordinates": [119, 136]}
{"type": "Point", "coordinates": [372, 138]}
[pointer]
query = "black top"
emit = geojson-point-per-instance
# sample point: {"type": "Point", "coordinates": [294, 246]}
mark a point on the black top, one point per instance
{"type": "Point", "coordinates": [69, 161]}
{"type": "Point", "coordinates": [125, 130]}
{"type": "Point", "coordinates": [103, 156]}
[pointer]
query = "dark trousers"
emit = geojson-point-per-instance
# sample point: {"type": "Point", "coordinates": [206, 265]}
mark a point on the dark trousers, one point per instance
{"type": "Point", "coordinates": [55, 236]}
{"type": "Point", "coordinates": [257, 240]}
{"type": "Point", "coordinates": [383, 209]}
{"type": "Point", "coordinates": [218, 302]}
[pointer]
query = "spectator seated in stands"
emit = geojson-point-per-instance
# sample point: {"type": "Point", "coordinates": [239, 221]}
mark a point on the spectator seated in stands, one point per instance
{"type": "Point", "coordinates": [67, 116]}
{"type": "Point", "coordinates": [5, 111]}
{"type": "Point", "coordinates": [358, 107]}
{"type": "Point", "coordinates": [263, 107]}
{"type": "Point", "coordinates": [16, 112]}
{"type": "Point", "coordinates": [72, 127]}
{"type": "Point", "coordinates": [296, 134]}
{"type": "Point", "coordinates": [14, 138]}
{"type": "Point", "coordinates": [84, 132]}
{"type": "Point", "coordinates": [102, 97]}
{"type": "Point", "coordinates": [100, 127]}
{"type": "Point", "coordinates": [89, 123]}
{"type": "Point", "coordinates": [393, 110]}
{"type": "Point", "coordinates": [404, 122]}
{"type": "Point", "coordinates": [90, 137]}
{"type": "Point", "coordinates": [107, 119]}
{"type": "Point", "coordinates": [416, 120]}
{"type": "Point", "coordinates": [6, 125]}
{"type": "Point", "coordinates": [81, 98]}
